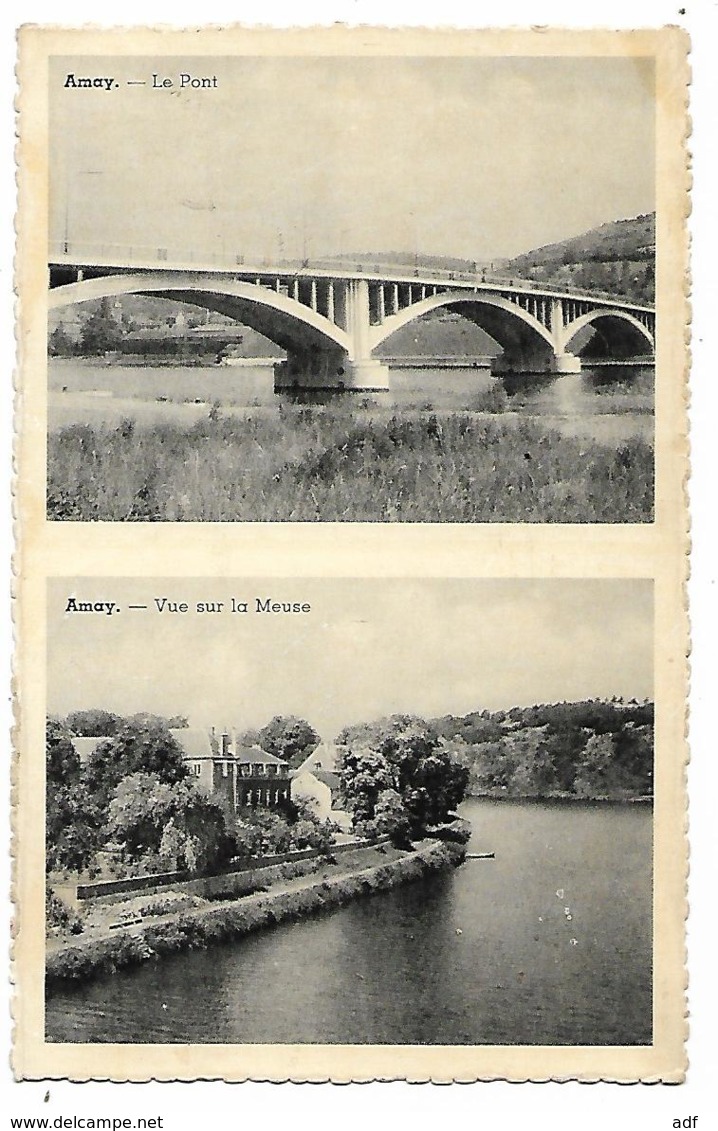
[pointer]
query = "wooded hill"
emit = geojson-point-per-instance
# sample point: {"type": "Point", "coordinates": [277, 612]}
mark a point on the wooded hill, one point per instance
{"type": "Point", "coordinates": [618, 257]}
{"type": "Point", "coordinates": [590, 749]}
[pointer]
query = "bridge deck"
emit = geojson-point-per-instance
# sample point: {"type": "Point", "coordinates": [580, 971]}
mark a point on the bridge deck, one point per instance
{"type": "Point", "coordinates": [118, 261]}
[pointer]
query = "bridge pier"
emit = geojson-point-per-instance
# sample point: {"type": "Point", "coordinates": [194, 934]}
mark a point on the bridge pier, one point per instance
{"type": "Point", "coordinates": [323, 369]}
{"type": "Point", "coordinates": [332, 322]}
{"type": "Point", "coordinates": [529, 363]}
{"type": "Point", "coordinates": [567, 363]}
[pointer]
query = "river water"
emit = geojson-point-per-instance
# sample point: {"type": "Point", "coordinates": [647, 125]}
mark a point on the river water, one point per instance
{"type": "Point", "coordinates": [549, 943]}
{"type": "Point", "coordinates": [607, 403]}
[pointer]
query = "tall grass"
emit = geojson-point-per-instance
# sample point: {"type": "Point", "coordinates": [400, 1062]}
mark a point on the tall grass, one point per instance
{"type": "Point", "coordinates": [345, 465]}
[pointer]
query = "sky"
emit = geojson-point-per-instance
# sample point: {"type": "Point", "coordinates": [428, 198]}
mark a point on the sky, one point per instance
{"type": "Point", "coordinates": [367, 648]}
{"type": "Point", "coordinates": [302, 157]}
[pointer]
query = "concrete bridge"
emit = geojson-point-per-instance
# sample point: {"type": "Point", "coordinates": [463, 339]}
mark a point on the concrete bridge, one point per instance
{"type": "Point", "coordinates": [331, 317]}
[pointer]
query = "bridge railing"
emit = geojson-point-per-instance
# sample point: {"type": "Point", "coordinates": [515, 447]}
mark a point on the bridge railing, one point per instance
{"type": "Point", "coordinates": [150, 254]}
{"type": "Point", "coordinates": [147, 255]}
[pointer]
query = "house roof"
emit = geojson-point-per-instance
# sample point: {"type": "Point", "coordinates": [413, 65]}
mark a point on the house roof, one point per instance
{"type": "Point", "coordinates": [324, 756]}
{"type": "Point", "coordinates": [328, 778]}
{"type": "Point", "coordinates": [256, 754]}
{"type": "Point", "coordinates": [194, 741]}
{"type": "Point", "coordinates": [85, 747]}
{"type": "Point", "coordinates": [197, 742]}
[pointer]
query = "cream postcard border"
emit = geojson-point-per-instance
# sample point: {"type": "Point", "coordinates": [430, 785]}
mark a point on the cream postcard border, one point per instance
{"type": "Point", "coordinates": [656, 551]}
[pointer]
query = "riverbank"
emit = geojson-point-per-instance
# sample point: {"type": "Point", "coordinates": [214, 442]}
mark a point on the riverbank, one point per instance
{"type": "Point", "coordinates": [347, 464]}
{"type": "Point", "coordinates": [208, 922]}
{"type": "Point", "coordinates": [480, 955]}
{"type": "Point", "coordinates": [557, 796]}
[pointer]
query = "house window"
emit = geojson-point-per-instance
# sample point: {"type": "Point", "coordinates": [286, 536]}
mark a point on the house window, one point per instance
{"type": "Point", "coordinates": [225, 769]}
{"type": "Point", "coordinates": [258, 769]}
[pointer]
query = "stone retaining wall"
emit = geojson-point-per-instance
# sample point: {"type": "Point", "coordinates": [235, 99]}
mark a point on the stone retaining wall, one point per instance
{"type": "Point", "coordinates": [235, 881]}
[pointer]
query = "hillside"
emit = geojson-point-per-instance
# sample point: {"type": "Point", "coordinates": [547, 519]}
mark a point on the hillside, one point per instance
{"type": "Point", "coordinates": [408, 260]}
{"type": "Point", "coordinates": [593, 749]}
{"type": "Point", "coordinates": [618, 257]}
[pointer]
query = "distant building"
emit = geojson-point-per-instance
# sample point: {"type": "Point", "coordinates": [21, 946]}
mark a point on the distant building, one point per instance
{"type": "Point", "coordinates": [201, 756]}
{"type": "Point", "coordinates": [263, 778]}
{"type": "Point", "coordinates": [242, 776]}
{"type": "Point", "coordinates": [317, 781]}
{"type": "Point", "coordinates": [325, 756]}
{"type": "Point", "coordinates": [319, 790]}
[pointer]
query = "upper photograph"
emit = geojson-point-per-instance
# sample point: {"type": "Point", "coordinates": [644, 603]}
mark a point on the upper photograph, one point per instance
{"type": "Point", "coordinates": [351, 288]}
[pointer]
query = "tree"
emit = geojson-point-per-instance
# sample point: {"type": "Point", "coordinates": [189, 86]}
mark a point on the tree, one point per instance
{"type": "Point", "coordinates": [175, 820]}
{"type": "Point", "coordinates": [534, 773]}
{"type": "Point", "coordinates": [146, 718]}
{"type": "Point", "coordinates": [70, 835]}
{"type": "Point", "coordinates": [262, 832]}
{"type": "Point", "coordinates": [289, 737]}
{"type": "Point", "coordinates": [407, 759]}
{"type": "Point", "coordinates": [391, 818]}
{"type": "Point", "coordinates": [144, 746]}
{"type": "Point", "coordinates": [490, 767]}
{"type": "Point", "coordinates": [60, 343]}
{"type": "Point", "coordinates": [633, 759]}
{"type": "Point", "coordinates": [595, 773]}
{"type": "Point", "coordinates": [365, 773]}
{"type": "Point", "coordinates": [371, 734]}
{"type": "Point", "coordinates": [308, 832]}
{"type": "Point", "coordinates": [249, 737]}
{"type": "Point", "coordinates": [101, 331]}
{"type": "Point", "coordinates": [178, 722]}
{"type": "Point", "coordinates": [93, 723]}
{"type": "Point", "coordinates": [96, 722]}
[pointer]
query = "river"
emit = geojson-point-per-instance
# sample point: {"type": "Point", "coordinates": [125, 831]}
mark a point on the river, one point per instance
{"type": "Point", "coordinates": [607, 403]}
{"type": "Point", "coordinates": [549, 943]}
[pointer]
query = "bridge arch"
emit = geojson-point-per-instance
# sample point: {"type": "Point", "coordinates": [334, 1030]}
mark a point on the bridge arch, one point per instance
{"type": "Point", "coordinates": [283, 320]}
{"type": "Point", "coordinates": [622, 332]}
{"type": "Point", "coordinates": [506, 322]}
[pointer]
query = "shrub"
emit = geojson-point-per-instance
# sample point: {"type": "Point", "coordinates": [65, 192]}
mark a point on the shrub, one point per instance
{"type": "Point", "coordinates": [61, 917]}
{"type": "Point", "coordinates": [493, 399]}
{"type": "Point", "coordinates": [167, 903]}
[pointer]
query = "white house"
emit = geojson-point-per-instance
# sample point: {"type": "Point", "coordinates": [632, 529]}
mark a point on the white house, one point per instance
{"type": "Point", "coordinates": [319, 788]}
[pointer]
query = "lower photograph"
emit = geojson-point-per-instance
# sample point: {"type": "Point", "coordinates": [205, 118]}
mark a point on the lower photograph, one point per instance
{"type": "Point", "coordinates": [362, 813]}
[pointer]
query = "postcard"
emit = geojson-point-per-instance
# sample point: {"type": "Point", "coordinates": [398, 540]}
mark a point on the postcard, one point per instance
{"type": "Point", "coordinates": [352, 450]}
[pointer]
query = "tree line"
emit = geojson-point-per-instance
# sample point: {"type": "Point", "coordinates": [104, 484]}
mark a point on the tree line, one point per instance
{"type": "Point", "coordinates": [588, 749]}
{"type": "Point", "coordinates": [132, 807]}
{"type": "Point", "coordinates": [618, 257]}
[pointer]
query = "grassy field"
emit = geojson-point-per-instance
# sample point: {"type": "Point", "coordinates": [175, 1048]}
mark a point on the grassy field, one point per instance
{"type": "Point", "coordinates": [347, 464]}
